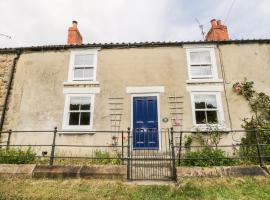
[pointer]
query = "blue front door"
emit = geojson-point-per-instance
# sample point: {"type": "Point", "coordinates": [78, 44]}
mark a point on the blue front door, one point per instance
{"type": "Point", "coordinates": [145, 123]}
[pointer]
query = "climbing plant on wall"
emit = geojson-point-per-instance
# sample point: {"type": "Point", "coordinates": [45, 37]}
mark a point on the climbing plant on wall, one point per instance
{"type": "Point", "coordinates": [259, 103]}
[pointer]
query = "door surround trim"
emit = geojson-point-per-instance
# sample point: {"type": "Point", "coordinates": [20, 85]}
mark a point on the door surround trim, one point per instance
{"type": "Point", "coordinates": [158, 113]}
{"type": "Point", "coordinates": [145, 89]}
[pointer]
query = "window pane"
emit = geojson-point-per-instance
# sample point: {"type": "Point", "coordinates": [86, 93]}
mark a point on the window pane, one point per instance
{"type": "Point", "coordinates": [195, 70]}
{"type": "Point", "coordinates": [205, 70]}
{"type": "Point", "coordinates": [212, 117]}
{"type": "Point", "coordinates": [199, 101]}
{"type": "Point", "coordinates": [74, 118]}
{"type": "Point", "coordinates": [205, 57]}
{"type": "Point", "coordinates": [194, 57]}
{"type": "Point", "coordinates": [78, 73]}
{"type": "Point", "coordinates": [85, 118]}
{"type": "Point", "coordinates": [211, 101]}
{"type": "Point", "coordinates": [88, 72]}
{"type": "Point", "coordinates": [74, 103]}
{"type": "Point", "coordinates": [85, 103]}
{"type": "Point", "coordinates": [85, 59]}
{"type": "Point", "coordinates": [200, 117]}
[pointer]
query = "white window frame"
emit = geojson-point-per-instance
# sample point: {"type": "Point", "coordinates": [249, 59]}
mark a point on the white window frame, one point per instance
{"type": "Point", "coordinates": [220, 112]}
{"type": "Point", "coordinates": [73, 53]}
{"type": "Point", "coordinates": [213, 64]}
{"type": "Point", "coordinates": [65, 125]}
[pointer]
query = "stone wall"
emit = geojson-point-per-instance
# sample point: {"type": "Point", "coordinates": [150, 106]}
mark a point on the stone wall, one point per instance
{"type": "Point", "coordinates": [220, 171]}
{"type": "Point", "coordinates": [120, 171]}
{"type": "Point", "coordinates": [6, 61]}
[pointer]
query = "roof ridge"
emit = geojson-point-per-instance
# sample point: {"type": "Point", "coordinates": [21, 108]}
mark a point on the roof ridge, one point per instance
{"type": "Point", "coordinates": [131, 44]}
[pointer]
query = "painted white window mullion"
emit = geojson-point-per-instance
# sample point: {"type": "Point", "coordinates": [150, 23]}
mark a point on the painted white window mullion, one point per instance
{"type": "Point", "coordinates": [91, 65]}
{"type": "Point", "coordinates": [80, 111]}
{"type": "Point", "coordinates": [201, 64]}
{"type": "Point", "coordinates": [218, 109]}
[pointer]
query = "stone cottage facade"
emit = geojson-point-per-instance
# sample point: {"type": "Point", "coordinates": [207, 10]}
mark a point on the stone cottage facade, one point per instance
{"type": "Point", "coordinates": [111, 87]}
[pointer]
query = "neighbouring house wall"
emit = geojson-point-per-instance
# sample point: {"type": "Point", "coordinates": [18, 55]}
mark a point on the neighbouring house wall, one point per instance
{"type": "Point", "coordinates": [6, 61]}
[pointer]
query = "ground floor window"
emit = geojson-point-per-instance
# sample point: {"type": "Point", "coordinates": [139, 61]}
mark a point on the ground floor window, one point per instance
{"type": "Point", "coordinates": [78, 112]}
{"type": "Point", "coordinates": [207, 108]}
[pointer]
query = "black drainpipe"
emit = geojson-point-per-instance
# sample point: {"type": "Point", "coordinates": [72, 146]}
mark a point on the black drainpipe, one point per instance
{"type": "Point", "coordinates": [15, 60]}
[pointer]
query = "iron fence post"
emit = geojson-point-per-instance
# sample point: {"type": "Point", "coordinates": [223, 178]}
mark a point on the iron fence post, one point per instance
{"type": "Point", "coordinates": [9, 136]}
{"type": "Point", "coordinates": [122, 145]}
{"type": "Point", "coordinates": [173, 157]}
{"type": "Point", "coordinates": [180, 148]}
{"type": "Point", "coordinates": [258, 146]}
{"type": "Point", "coordinates": [169, 138]}
{"type": "Point", "coordinates": [53, 146]}
{"type": "Point", "coordinates": [128, 155]}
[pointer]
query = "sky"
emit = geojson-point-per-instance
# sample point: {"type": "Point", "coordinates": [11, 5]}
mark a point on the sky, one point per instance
{"type": "Point", "coordinates": [45, 22]}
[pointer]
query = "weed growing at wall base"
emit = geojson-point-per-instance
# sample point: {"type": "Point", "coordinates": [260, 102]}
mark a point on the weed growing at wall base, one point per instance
{"type": "Point", "coordinates": [17, 156]}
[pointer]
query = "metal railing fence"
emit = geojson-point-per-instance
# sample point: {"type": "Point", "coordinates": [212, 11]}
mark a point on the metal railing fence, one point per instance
{"type": "Point", "coordinates": [181, 148]}
{"type": "Point", "coordinates": [236, 146]}
{"type": "Point", "coordinates": [113, 150]}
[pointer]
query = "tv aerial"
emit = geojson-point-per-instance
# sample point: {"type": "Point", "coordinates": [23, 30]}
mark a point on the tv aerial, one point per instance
{"type": "Point", "coordinates": [4, 35]}
{"type": "Point", "coordinates": [201, 28]}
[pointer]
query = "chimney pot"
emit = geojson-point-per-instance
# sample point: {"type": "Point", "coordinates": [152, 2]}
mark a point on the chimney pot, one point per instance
{"type": "Point", "coordinates": [74, 23]}
{"type": "Point", "coordinates": [74, 35]}
{"type": "Point", "coordinates": [213, 22]}
{"type": "Point", "coordinates": [217, 32]}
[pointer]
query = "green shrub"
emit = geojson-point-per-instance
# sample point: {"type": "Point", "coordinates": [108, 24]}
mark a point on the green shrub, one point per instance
{"type": "Point", "coordinates": [249, 150]}
{"type": "Point", "coordinates": [259, 103]}
{"type": "Point", "coordinates": [199, 158]}
{"type": "Point", "coordinates": [17, 156]}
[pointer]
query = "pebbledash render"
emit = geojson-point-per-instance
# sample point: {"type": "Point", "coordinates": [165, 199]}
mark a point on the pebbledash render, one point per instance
{"type": "Point", "coordinates": [93, 87]}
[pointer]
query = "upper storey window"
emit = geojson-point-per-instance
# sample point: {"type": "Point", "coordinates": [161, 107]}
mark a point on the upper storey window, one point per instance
{"type": "Point", "coordinates": [201, 63]}
{"type": "Point", "coordinates": [83, 65]}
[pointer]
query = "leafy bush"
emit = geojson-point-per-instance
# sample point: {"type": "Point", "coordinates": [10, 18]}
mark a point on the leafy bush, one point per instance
{"type": "Point", "coordinates": [249, 148]}
{"type": "Point", "coordinates": [209, 154]}
{"type": "Point", "coordinates": [206, 157]}
{"type": "Point", "coordinates": [259, 103]}
{"type": "Point", "coordinates": [17, 156]}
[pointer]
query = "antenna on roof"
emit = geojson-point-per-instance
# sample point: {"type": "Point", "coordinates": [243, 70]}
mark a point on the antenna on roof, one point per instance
{"type": "Point", "coordinates": [7, 36]}
{"type": "Point", "coordinates": [200, 27]}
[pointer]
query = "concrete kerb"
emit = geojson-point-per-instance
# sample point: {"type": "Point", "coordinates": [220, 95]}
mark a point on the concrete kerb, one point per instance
{"type": "Point", "coordinates": [267, 168]}
{"type": "Point", "coordinates": [94, 171]}
{"type": "Point", "coordinates": [44, 171]}
{"type": "Point", "coordinates": [23, 170]}
{"type": "Point", "coordinates": [120, 171]}
{"type": "Point", "coordinates": [253, 170]}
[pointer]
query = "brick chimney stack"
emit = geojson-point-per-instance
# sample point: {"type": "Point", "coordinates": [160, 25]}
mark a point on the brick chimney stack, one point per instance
{"type": "Point", "coordinates": [74, 36]}
{"type": "Point", "coordinates": [217, 32]}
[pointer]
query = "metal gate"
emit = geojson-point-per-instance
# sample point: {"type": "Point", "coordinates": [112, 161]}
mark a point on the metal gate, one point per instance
{"type": "Point", "coordinates": [152, 164]}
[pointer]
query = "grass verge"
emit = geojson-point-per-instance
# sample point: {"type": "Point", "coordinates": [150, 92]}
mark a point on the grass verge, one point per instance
{"type": "Point", "coordinates": [207, 188]}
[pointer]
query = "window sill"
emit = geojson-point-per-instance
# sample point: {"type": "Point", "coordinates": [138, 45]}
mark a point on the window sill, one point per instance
{"type": "Point", "coordinates": [73, 83]}
{"type": "Point", "coordinates": [77, 131]}
{"type": "Point", "coordinates": [209, 128]}
{"type": "Point", "coordinates": [204, 81]}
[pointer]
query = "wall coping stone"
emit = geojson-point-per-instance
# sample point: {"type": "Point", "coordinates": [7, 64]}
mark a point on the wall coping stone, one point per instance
{"type": "Point", "coordinates": [220, 171]}
{"type": "Point", "coordinates": [22, 170]}
{"type": "Point", "coordinates": [120, 171]}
